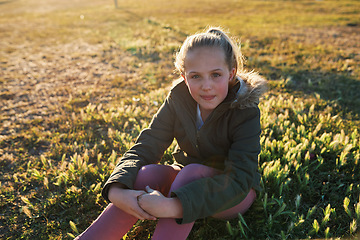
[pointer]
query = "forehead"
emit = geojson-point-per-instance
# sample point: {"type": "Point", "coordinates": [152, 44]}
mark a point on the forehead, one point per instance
{"type": "Point", "coordinates": [205, 58]}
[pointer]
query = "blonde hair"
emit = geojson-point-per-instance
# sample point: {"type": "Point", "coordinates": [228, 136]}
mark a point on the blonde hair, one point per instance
{"type": "Point", "coordinates": [213, 37]}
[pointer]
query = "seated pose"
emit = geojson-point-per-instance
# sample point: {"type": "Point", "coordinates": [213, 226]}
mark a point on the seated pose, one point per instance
{"type": "Point", "coordinates": [212, 112]}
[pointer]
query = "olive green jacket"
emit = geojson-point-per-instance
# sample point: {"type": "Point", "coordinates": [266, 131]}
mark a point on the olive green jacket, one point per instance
{"type": "Point", "coordinates": [229, 140]}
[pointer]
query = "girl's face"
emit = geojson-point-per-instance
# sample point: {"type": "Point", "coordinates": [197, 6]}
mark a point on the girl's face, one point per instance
{"type": "Point", "coordinates": [207, 76]}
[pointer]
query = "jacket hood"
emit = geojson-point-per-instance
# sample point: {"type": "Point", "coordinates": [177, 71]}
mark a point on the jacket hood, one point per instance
{"type": "Point", "coordinates": [252, 86]}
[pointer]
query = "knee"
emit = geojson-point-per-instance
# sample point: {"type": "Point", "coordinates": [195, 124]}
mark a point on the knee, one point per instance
{"type": "Point", "coordinates": [193, 167]}
{"type": "Point", "coordinates": [196, 169]}
{"type": "Point", "coordinates": [191, 173]}
{"type": "Point", "coordinates": [155, 171]}
{"type": "Point", "coordinates": [145, 175]}
{"type": "Point", "coordinates": [148, 169]}
{"type": "Point", "coordinates": [156, 176]}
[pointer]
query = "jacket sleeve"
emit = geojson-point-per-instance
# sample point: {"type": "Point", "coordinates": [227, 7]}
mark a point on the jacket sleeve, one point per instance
{"type": "Point", "coordinates": [148, 149]}
{"type": "Point", "coordinates": [207, 196]}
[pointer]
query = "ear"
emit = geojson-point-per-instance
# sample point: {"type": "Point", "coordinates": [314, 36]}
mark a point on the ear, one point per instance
{"type": "Point", "coordinates": [232, 74]}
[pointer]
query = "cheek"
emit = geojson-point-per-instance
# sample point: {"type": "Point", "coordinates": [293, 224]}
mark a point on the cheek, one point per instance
{"type": "Point", "coordinates": [225, 88]}
{"type": "Point", "coordinates": [192, 86]}
{"type": "Point", "coordinates": [226, 91]}
{"type": "Point", "coordinates": [194, 92]}
{"type": "Point", "coordinates": [191, 89]}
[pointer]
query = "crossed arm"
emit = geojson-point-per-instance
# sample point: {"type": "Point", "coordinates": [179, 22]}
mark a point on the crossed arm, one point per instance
{"type": "Point", "coordinates": [149, 204]}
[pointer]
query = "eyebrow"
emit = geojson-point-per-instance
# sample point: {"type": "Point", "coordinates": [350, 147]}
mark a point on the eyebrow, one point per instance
{"type": "Point", "coordinates": [214, 70]}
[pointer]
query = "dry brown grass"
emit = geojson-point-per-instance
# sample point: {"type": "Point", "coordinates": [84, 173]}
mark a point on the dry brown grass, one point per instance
{"type": "Point", "coordinates": [79, 79]}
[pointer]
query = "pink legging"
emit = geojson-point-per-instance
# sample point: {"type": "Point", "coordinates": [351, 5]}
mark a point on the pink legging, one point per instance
{"type": "Point", "coordinates": [114, 223]}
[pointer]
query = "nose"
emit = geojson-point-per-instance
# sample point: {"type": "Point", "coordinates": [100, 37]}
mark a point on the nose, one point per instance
{"type": "Point", "coordinates": [206, 84]}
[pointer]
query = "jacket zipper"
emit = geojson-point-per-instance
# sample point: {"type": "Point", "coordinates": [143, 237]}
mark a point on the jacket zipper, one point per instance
{"type": "Point", "coordinates": [197, 140]}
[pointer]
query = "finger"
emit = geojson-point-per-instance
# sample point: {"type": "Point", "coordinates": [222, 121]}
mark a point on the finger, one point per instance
{"type": "Point", "coordinates": [148, 189]}
{"type": "Point", "coordinates": [140, 192]}
{"type": "Point", "coordinates": [137, 212]}
{"type": "Point", "coordinates": [145, 215]}
{"type": "Point", "coordinates": [141, 211]}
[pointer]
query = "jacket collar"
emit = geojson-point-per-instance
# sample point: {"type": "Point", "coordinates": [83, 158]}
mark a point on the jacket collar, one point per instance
{"type": "Point", "coordinates": [252, 86]}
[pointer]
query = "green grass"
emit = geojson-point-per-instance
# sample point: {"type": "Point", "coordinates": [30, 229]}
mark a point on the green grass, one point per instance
{"type": "Point", "coordinates": [80, 80]}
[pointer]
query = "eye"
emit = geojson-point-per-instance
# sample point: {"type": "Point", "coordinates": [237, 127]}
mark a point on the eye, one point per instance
{"type": "Point", "coordinates": [195, 76]}
{"type": "Point", "coordinates": [216, 74]}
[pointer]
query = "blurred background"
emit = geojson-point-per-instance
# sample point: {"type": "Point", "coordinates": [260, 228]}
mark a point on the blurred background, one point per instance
{"type": "Point", "coordinates": [79, 80]}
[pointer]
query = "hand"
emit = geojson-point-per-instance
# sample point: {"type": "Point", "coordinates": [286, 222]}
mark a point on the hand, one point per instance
{"type": "Point", "coordinates": [126, 200]}
{"type": "Point", "coordinates": [156, 204]}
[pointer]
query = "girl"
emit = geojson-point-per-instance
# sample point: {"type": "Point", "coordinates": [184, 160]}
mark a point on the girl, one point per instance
{"type": "Point", "coordinates": [213, 114]}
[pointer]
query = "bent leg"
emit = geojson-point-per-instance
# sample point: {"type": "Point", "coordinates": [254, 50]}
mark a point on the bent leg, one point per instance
{"type": "Point", "coordinates": [113, 223]}
{"type": "Point", "coordinates": [240, 208]}
{"type": "Point", "coordinates": [167, 228]}
{"type": "Point", "coordinates": [156, 176]}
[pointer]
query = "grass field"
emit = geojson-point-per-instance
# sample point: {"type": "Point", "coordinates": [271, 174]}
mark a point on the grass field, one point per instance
{"type": "Point", "coordinates": [80, 79]}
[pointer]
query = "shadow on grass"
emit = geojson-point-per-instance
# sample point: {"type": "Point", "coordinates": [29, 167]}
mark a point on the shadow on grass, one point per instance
{"type": "Point", "coordinates": [340, 89]}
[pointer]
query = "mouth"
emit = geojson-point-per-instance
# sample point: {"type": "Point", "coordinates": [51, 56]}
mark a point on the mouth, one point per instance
{"type": "Point", "coordinates": [207, 97]}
